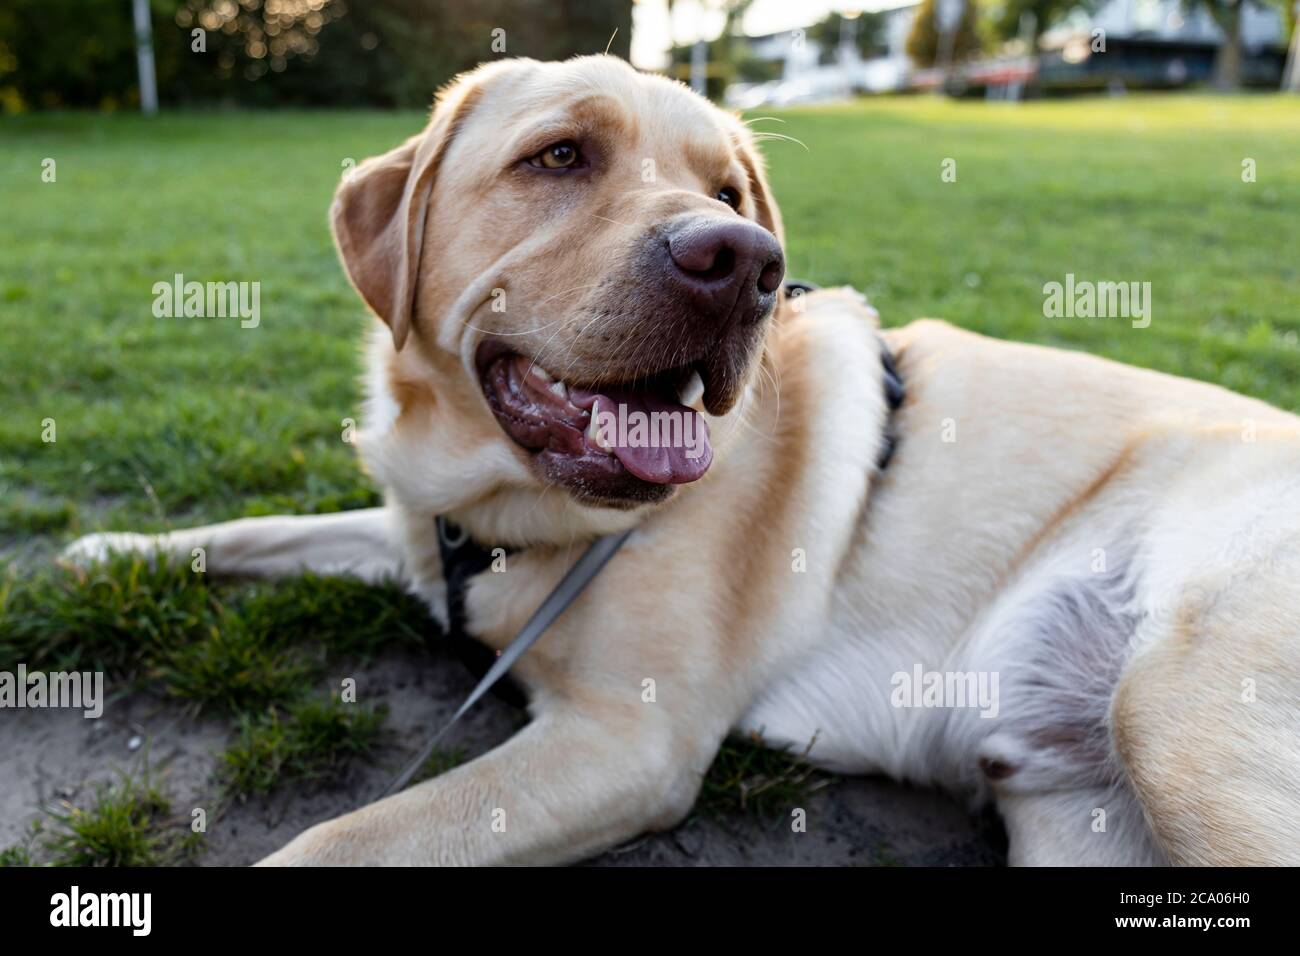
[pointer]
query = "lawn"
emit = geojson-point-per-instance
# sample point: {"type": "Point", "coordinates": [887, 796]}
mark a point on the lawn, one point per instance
{"type": "Point", "coordinates": [184, 420]}
{"type": "Point", "coordinates": [169, 422]}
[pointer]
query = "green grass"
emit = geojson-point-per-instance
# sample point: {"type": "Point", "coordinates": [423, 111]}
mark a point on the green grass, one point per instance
{"type": "Point", "coordinates": [312, 742]}
{"type": "Point", "coordinates": [130, 823]}
{"type": "Point", "coordinates": [219, 645]}
{"type": "Point", "coordinates": [171, 422]}
{"type": "Point", "coordinates": [160, 420]}
{"type": "Point", "coordinates": [1139, 189]}
{"type": "Point", "coordinates": [20, 854]}
{"type": "Point", "coordinates": [251, 651]}
{"type": "Point", "coordinates": [747, 777]}
{"type": "Point", "coordinates": [15, 856]}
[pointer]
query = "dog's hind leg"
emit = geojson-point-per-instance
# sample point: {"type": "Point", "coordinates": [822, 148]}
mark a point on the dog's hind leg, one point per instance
{"type": "Point", "coordinates": [358, 544]}
{"type": "Point", "coordinates": [1207, 723]}
{"type": "Point", "coordinates": [1096, 826]}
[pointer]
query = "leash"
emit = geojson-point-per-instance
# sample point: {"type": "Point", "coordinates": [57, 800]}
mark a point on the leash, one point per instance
{"type": "Point", "coordinates": [571, 585]}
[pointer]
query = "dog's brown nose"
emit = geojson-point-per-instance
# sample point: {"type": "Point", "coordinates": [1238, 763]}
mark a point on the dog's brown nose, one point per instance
{"type": "Point", "coordinates": [726, 267]}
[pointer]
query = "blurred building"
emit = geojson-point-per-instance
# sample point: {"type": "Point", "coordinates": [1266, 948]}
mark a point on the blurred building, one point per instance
{"type": "Point", "coordinates": [815, 71]}
{"type": "Point", "coordinates": [1157, 43]}
{"type": "Point", "coordinates": [1147, 44]}
{"type": "Point", "coordinates": [1167, 20]}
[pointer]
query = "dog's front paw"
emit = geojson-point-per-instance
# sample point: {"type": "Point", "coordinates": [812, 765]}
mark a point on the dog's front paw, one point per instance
{"type": "Point", "coordinates": [92, 549]}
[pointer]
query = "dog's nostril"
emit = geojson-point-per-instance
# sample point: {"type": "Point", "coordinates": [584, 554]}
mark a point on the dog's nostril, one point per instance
{"type": "Point", "coordinates": [723, 264]}
{"type": "Point", "coordinates": [702, 255]}
{"type": "Point", "coordinates": [769, 280]}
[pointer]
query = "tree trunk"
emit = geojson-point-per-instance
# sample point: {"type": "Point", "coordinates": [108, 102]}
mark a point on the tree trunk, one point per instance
{"type": "Point", "coordinates": [1291, 78]}
{"type": "Point", "coordinates": [1227, 64]}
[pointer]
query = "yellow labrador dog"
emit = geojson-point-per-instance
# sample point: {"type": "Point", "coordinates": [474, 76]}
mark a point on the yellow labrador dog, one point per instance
{"type": "Point", "coordinates": [1074, 590]}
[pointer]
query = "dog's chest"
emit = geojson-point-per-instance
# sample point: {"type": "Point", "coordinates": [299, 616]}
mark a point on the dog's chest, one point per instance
{"type": "Point", "coordinates": [498, 600]}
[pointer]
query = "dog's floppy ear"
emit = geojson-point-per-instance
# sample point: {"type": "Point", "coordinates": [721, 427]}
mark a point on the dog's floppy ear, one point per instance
{"type": "Point", "coordinates": [379, 211]}
{"type": "Point", "coordinates": [769, 216]}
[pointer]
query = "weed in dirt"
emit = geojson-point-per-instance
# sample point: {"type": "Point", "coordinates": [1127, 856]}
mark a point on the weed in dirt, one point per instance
{"type": "Point", "coordinates": [748, 777]}
{"type": "Point", "coordinates": [116, 617]}
{"type": "Point", "coordinates": [20, 854]}
{"type": "Point", "coordinates": [309, 740]}
{"type": "Point", "coordinates": [129, 824]}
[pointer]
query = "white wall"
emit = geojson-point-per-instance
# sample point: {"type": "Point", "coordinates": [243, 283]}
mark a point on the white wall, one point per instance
{"type": "Point", "coordinates": [1166, 20]}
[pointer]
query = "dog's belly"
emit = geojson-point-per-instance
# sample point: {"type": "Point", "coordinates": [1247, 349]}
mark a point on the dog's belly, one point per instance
{"type": "Point", "coordinates": [1021, 692]}
{"type": "Point", "coordinates": [834, 707]}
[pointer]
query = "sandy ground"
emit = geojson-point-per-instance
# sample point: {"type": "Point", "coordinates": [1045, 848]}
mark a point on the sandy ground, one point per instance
{"type": "Point", "coordinates": [50, 756]}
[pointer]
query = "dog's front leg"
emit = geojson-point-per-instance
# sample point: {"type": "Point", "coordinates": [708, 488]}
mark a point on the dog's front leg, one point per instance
{"type": "Point", "coordinates": [359, 544]}
{"type": "Point", "coordinates": [565, 787]}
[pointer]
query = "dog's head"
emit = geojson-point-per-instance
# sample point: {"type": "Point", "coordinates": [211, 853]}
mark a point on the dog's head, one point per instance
{"type": "Point", "coordinates": [572, 251]}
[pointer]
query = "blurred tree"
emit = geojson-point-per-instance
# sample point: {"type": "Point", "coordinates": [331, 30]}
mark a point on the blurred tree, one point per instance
{"type": "Point", "coordinates": [1291, 75]}
{"type": "Point", "coordinates": [729, 58]}
{"type": "Point", "coordinates": [57, 53]}
{"type": "Point", "coordinates": [1009, 19]}
{"type": "Point", "coordinates": [869, 35]}
{"type": "Point", "coordinates": [732, 58]}
{"type": "Point", "coordinates": [923, 40]}
{"type": "Point", "coordinates": [79, 53]}
{"type": "Point", "coordinates": [1227, 14]}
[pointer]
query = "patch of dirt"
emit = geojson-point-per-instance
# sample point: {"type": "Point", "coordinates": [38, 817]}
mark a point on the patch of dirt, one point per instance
{"type": "Point", "coordinates": [47, 756]}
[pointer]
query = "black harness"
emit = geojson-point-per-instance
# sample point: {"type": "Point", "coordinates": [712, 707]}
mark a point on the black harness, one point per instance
{"type": "Point", "coordinates": [463, 558]}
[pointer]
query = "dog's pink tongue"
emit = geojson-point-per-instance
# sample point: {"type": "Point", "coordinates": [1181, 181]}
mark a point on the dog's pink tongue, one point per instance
{"type": "Point", "coordinates": [670, 450]}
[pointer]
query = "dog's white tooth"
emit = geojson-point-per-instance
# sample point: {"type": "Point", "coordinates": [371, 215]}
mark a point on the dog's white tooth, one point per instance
{"type": "Point", "coordinates": [539, 373]}
{"type": "Point", "coordinates": [594, 433]}
{"type": "Point", "coordinates": [692, 391]}
{"type": "Point", "coordinates": [559, 389]}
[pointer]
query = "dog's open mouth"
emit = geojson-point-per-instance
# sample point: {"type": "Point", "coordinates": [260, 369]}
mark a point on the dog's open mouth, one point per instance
{"type": "Point", "coordinates": [606, 439]}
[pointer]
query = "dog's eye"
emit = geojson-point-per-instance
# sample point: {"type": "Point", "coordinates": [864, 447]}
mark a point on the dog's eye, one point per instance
{"type": "Point", "coordinates": [556, 156]}
{"type": "Point", "coordinates": [729, 196]}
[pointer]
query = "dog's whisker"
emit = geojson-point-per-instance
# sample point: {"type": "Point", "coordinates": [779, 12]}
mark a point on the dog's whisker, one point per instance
{"type": "Point", "coordinates": [743, 421]}
{"type": "Point", "coordinates": [766, 374]}
{"type": "Point", "coordinates": [506, 335]}
{"type": "Point", "coordinates": [763, 135]}
{"type": "Point", "coordinates": [626, 225]}
{"type": "Point", "coordinates": [576, 288]}
{"type": "Point", "coordinates": [577, 338]}
{"type": "Point", "coordinates": [537, 357]}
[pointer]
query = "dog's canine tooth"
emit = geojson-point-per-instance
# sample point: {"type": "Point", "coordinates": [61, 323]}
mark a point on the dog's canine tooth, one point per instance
{"type": "Point", "coordinates": [594, 433]}
{"type": "Point", "coordinates": [692, 391]}
{"type": "Point", "coordinates": [539, 373]}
